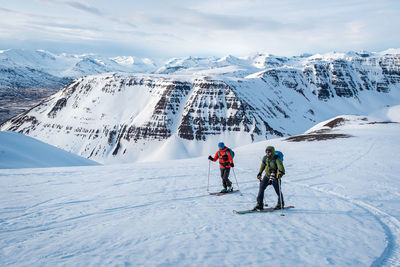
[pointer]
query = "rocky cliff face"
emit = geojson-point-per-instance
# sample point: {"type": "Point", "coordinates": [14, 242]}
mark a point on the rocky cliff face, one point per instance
{"type": "Point", "coordinates": [128, 117]}
{"type": "Point", "coordinates": [347, 77]}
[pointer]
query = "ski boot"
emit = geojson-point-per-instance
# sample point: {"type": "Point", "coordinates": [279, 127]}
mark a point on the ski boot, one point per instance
{"type": "Point", "coordinates": [229, 188]}
{"type": "Point", "coordinates": [223, 190]}
{"type": "Point", "coordinates": [258, 207]}
{"type": "Point", "coordinates": [278, 206]}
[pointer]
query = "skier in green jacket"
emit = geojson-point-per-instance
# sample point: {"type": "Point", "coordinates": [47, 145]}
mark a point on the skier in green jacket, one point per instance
{"type": "Point", "coordinates": [274, 170]}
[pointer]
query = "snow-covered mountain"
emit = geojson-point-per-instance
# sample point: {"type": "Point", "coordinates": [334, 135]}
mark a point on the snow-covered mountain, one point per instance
{"type": "Point", "coordinates": [29, 76]}
{"type": "Point", "coordinates": [19, 151]}
{"type": "Point", "coordinates": [345, 192]}
{"type": "Point", "coordinates": [69, 65]}
{"type": "Point", "coordinates": [127, 117]}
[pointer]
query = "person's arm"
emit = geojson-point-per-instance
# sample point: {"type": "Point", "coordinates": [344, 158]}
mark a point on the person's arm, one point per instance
{"type": "Point", "coordinates": [262, 167]}
{"type": "Point", "coordinates": [215, 157]}
{"type": "Point", "coordinates": [230, 157]}
{"type": "Point", "coordinates": [280, 167]}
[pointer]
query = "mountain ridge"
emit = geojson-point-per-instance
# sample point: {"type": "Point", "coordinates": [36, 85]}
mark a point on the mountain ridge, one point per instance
{"type": "Point", "coordinates": [29, 76]}
{"type": "Point", "coordinates": [129, 117]}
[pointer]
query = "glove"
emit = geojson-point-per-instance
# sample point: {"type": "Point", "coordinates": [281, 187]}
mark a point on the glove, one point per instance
{"type": "Point", "coordinates": [259, 176]}
{"type": "Point", "coordinates": [232, 165]}
{"type": "Point", "coordinates": [280, 175]}
{"type": "Point", "coordinates": [210, 158]}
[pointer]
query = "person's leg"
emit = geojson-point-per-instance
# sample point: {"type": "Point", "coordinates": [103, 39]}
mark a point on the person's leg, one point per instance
{"type": "Point", "coordinates": [222, 177]}
{"type": "Point", "coordinates": [226, 177]}
{"type": "Point", "coordinates": [263, 186]}
{"type": "Point", "coordinates": [276, 184]}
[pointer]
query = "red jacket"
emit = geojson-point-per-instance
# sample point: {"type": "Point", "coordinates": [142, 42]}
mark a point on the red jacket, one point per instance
{"type": "Point", "coordinates": [225, 158]}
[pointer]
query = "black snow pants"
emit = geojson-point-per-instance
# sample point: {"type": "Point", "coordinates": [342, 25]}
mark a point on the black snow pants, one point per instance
{"type": "Point", "coordinates": [225, 177]}
{"type": "Point", "coordinates": [263, 185]}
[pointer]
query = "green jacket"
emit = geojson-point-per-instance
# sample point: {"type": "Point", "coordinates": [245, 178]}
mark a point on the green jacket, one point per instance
{"type": "Point", "coordinates": [268, 164]}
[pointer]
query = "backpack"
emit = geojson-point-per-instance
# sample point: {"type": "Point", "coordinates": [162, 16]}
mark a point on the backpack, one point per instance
{"type": "Point", "coordinates": [230, 151]}
{"type": "Point", "coordinates": [277, 154]}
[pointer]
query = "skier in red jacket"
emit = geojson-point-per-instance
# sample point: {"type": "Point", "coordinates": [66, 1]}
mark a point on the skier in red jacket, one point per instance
{"type": "Point", "coordinates": [225, 164]}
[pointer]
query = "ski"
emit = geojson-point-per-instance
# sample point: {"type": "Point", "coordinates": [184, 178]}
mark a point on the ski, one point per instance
{"type": "Point", "coordinates": [223, 193]}
{"type": "Point", "coordinates": [264, 210]}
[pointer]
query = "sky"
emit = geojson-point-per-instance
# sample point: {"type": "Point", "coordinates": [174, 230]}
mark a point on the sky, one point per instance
{"type": "Point", "coordinates": [175, 28]}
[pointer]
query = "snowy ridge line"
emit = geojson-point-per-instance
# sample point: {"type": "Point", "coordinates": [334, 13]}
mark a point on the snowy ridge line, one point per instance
{"type": "Point", "coordinates": [391, 254]}
{"type": "Point", "coordinates": [20, 151]}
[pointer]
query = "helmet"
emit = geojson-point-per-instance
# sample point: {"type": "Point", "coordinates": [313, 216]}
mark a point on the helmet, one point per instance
{"type": "Point", "coordinates": [221, 145]}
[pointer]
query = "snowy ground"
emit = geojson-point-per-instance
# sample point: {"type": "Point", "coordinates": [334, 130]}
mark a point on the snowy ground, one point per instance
{"type": "Point", "coordinates": [21, 151]}
{"type": "Point", "coordinates": [346, 194]}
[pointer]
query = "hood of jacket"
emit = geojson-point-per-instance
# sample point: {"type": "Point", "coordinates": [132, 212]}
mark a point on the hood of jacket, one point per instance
{"type": "Point", "coordinates": [272, 152]}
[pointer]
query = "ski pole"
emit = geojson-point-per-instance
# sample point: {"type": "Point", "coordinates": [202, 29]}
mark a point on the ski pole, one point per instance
{"type": "Point", "coordinates": [236, 181]}
{"type": "Point", "coordinates": [208, 180]}
{"type": "Point", "coordinates": [265, 202]}
{"type": "Point", "coordinates": [280, 196]}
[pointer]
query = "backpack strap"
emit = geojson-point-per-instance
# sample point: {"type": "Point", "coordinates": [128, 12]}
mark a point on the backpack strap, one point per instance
{"type": "Point", "coordinates": [226, 153]}
{"type": "Point", "coordinates": [266, 162]}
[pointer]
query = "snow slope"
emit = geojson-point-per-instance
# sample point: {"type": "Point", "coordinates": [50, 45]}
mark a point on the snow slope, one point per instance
{"type": "Point", "coordinates": [346, 194]}
{"type": "Point", "coordinates": [20, 151]}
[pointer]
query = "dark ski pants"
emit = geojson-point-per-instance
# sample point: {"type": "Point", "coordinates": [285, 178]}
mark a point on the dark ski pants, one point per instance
{"type": "Point", "coordinates": [263, 185]}
{"type": "Point", "coordinates": [225, 177]}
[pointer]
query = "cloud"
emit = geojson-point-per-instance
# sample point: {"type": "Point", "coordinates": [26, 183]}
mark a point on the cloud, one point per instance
{"type": "Point", "coordinates": [19, 25]}
{"type": "Point", "coordinates": [84, 7]}
{"type": "Point", "coordinates": [66, 26]}
{"type": "Point", "coordinates": [81, 6]}
{"type": "Point", "coordinates": [228, 22]}
{"type": "Point", "coordinates": [95, 11]}
{"type": "Point", "coordinates": [208, 21]}
{"type": "Point", "coordinates": [7, 10]}
{"type": "Point", "coordinates": [193, 27]}
{"type": "Point", "coordinates": [122, 22]}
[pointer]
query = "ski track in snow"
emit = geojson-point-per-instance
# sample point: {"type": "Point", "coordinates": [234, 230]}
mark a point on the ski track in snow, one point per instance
{"type": "Point", "coordinates": [391, 255]}
{"type": "Point", "coordinates": [338, 170]}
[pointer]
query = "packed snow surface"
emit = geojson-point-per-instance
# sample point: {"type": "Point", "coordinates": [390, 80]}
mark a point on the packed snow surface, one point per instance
{"type": "Point", "coordinates": [346, 193]}
{"type": "Point", "coordinates": [20, 151]}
